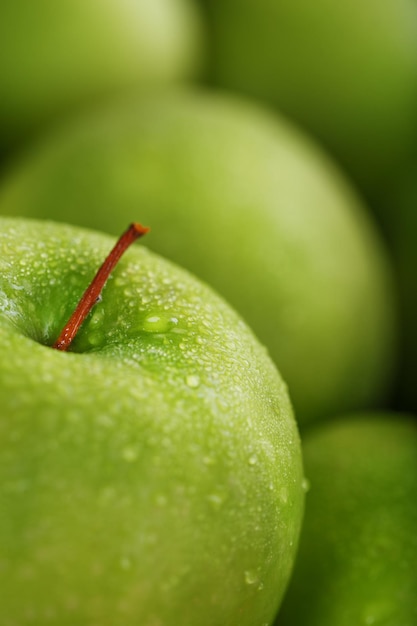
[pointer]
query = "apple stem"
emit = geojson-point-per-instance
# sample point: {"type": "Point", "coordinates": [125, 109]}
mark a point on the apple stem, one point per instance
{"type": "Point", "coordinates": [93, 292]}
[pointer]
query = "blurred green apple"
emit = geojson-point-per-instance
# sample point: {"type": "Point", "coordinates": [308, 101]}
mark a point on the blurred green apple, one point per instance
{"type": "Point", "coordinates": [357, 562]}
{"type": "Point", "coordinates": [246, 202]}
{"type": "Point", "coordinates": [55, 55]}
{"type": "Point", "coordinates": [347, 71]}
{"type": "Point", "coordinates": [153, 474]}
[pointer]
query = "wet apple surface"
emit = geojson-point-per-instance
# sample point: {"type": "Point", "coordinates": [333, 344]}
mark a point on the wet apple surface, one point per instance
{"type": "Point", "coordinates": [153, 471]}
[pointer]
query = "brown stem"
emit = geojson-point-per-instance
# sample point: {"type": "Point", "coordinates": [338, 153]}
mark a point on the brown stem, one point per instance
{"type": "Point", "coordinates": [93, 291]}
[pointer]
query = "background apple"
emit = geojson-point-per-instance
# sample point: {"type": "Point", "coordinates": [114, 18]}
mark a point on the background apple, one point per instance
{"type": "Point", "coordinates": [153, 474]}
{"type": "Point", "coordinates": [55, 55]}
{"type": "Point", "coordinates": [357, 562]}
{"type": "Point", "coordinates": [248, 203]}
{"type": "Point", "coordinates": [347, 71]}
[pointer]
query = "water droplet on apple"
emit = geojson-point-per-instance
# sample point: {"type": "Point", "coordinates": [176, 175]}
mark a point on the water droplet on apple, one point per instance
{"type": "Point", "coordinates": [155, 323]}
{"type": "Point", "coordinates": [305, 485]}
{"type": "Point", "coordinates": [129, 454]}
{"type": "Point", "coordinates": [193, 381]}
{"type": "Point", "coordinates": [253, 459]}
{"type": "Point", "coordinates": [251, 577]}
{"type": "Point", "coordinates": [95, 338]}
{"type": "Point", "coordinates": [97, 317]}
{"type": "Point", "coordinates": [216, 500]}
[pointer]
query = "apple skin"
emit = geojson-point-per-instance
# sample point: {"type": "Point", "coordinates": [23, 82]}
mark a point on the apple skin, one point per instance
{"type": "Point", "coordinates": [153, 474]}
{"type": "Point", "coordinates": [357, 560]}
{"type": "Point", "coordinates": [58, 55]}
{"type": "Point", "coordinates": [250, 205]}
{"type": "Point", "coordinates": [346, 71]}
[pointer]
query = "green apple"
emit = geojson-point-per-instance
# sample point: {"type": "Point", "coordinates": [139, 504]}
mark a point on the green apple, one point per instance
{"type": "Point", "coordinates": [347, 71]}
{"type": "Point", "coordinates": [245, 201]}
{"type": "Point", "coordinates": [357, 562]}
{"type": "Point", "coordinates": [55, 55]}
{"type": "Point", "coordinates": [151, 475]}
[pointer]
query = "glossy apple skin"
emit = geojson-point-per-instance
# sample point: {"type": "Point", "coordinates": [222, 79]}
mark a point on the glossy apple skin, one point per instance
{"type": "Point", "coordinates": [250, 205]}
{"type": "Point", "coordinates": [347, 72]}
{"type": "Point", "coordinates": [357, 562]}
{"type": "Point", "coordinates": [58, 55]}
{"type": "Point", "coordinates": [152, 475]}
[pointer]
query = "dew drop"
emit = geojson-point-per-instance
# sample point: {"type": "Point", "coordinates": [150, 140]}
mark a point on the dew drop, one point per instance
{"type": "Point", "coordinates": [97, 317]}
{"type": "Point", "coordinates": [253, 459]}
{"type": "Point", "coordinates": [129, 454]}
{"type": "Point", "coordinates": [193, 381]}
{"type": "Point", "coordinates": [251, 577]}
{"type": "Point", "coordinates": [158, 323]}
{"type": "Point", "coordinates": [305, 485]}
{"type": "Point", "coordinates": [95, 338]}
{"type": "Point", "coordinates": [216, 500]}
